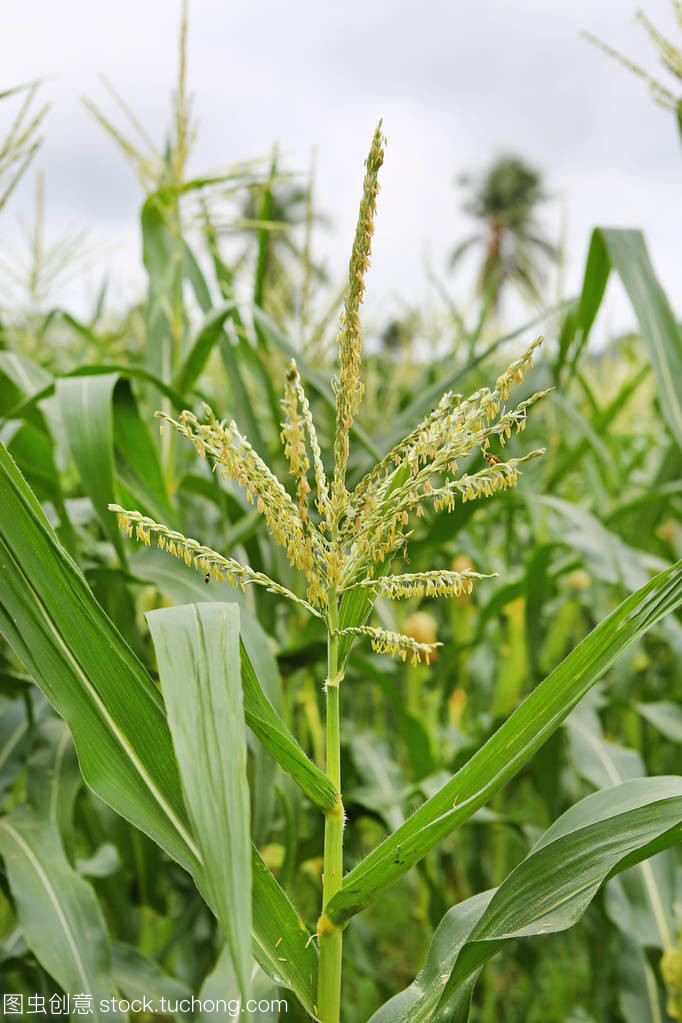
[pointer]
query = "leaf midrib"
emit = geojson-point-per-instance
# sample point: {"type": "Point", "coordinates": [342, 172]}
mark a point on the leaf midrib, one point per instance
{"type": "Point", "coordinates": [35, 863]}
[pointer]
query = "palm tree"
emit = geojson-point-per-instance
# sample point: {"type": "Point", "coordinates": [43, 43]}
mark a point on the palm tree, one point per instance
{"type": "Point", "coordinates": [515, 252]}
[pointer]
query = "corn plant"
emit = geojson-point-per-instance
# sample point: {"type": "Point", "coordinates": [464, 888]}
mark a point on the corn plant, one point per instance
{"type": "Point", "coordinates": [176, 767]}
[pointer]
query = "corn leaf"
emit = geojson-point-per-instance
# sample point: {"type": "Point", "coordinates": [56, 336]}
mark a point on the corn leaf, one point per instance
{"type": "Point", "coordinates": [522, 734]}
{"type": "Point", "coordinates": [549, 891]}
{"type": "Point", "coordinates": [139, 977]}
{"type": "Point", "coordinates": [50, 618]}
{"type": "Point", "coordinates": [86, 408]}
{"type": "Point", "coordinates": [197, 650]}
{"type": "Point", "coordinates": [115, 714]}
{"type": "Point", "coordinates": [666, 717]}
{"type": "Point", "coordinates": [58, 913]}
{"type": "Point", "coordinates": [210, 332]}
{"type": "Point", "coordinates": [625, 252]}
{"type": "Point", "coordinates": [137, 461]}
{"type": "Point", "coordinates": [260, 683]}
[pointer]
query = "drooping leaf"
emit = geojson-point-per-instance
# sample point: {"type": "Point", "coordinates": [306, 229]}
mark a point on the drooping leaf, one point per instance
{"type": "Point", "coordinates": [549, 890]}
{"type": "Point", "coordinates": [210, 332]}
{"type": "Point", "coordinates": [665, 716]}
{"type": "Point", "coordinates": [197, 651]}
{"type": "Point", "coordinates": [86, 408]}
{"type": "Point", "coordinates": [141, 978]}
{"type": "Point", "coordinates": [219, 1000]}
{"type": "Point", "coordinates": [259, 671]}
{"type": "Point", "coordinates": [115, 714]}
{"type": "Point", "coordinates": [511, 746]}
{"type": "Point", "coordinates": [58, 913]}
{"type": "Point", "coordinates": [625, 252]}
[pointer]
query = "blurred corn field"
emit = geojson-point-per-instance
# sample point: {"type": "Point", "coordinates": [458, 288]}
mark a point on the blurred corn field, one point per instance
{"type": "Point", "coordinates": [513, 773]}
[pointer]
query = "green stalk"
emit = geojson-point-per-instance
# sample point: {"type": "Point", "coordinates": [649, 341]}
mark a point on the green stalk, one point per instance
{"type": "Point", "coordinates": [330, 935]}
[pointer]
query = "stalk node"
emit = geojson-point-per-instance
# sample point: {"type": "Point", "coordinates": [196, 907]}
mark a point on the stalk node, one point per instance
{"type": "Point", "coordinates": [336, 812]}
{"type": "Point", "coordinates": [325, 927]}
{"type": "Point", "coordinates": [335, 681]}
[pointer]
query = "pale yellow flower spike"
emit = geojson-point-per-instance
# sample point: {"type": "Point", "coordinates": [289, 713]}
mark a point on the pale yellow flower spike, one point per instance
{"type": "Point", "coordinates": [240, 462]}
{"type": "Point", "coordinates": [200, 557]}
{"type": "Point", "coordinates": [298, 424]}
{"type": "Point", "coordinates": [434, 583]}
{"type": "Point", "coordinates": [349, 386]}
{"type": "Point", "coordinates": [293, 437]}
{"type": "Point", "coordinates": [394, 643]}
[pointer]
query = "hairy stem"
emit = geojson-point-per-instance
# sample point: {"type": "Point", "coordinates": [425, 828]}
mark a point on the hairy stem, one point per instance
{"type": "Point", "coordinates": [329, 990]}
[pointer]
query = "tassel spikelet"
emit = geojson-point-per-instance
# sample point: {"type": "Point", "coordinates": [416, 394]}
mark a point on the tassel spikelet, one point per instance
{"type": "Point", "coordinates": [198, 556]}
{"type": "Point", "coordinates": [395, 644]}
{"type": "Point", "coordinates": [238, 461]}
{"type": "Point", "coordinates": [669, 54]}
{"type": "Point", "coordinates": [349, 387]}
{"type": "Point", "coordinates": [323, 505]}
{"type": "Point", "coordinates": [424, 584]}
{"type": "Point", "coordinates": [338, 540]}
{"type": "Point", "coordinates": [295, 448]}
{"type": "Point", "coordinates": [297, 424]}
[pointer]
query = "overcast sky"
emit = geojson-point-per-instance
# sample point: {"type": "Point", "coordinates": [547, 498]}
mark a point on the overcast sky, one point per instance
{"type": "Point", "coordinates": [455, 82]}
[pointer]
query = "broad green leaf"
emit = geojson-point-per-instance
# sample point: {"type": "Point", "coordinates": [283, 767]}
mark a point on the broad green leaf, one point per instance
{"type": "Point", "coordinates": [665, 716]}
{"type": "Point", "coordinates": [197, 651]}
{"type": "Point", "coordinates": [260, 680]}
{"type": "Point", "coordinates": [522, 734]}
{"type": "Point", "coordinates": [28, 376]}
{"type": "Point", "coordinates": [137, 460]}
{"type": "Point", "coordinates": [549, 890]}
{"type": "Point", "coordinates": [86, 408]}
{"type": "Point", "coordinates": [139, 977]}
{"type": "Point", "coordinates": [625, 252]}
{"type": "Point", "coordinates": [210, 332]}
{"type": "Point", "coordinates": [115, 714]}
{"type": "Point", "coordinates": [158, 248]}
{"type": "Point", "coordinates": [220, 990]}
{"type": "Point", "coordinates": [282, 944]}
{"type": "Point", "coordinates": [57, 911]}
{"type": "Point", "coordinates": [649, 889]}
{"type": "Point", "coordinates": [14, 728]}
{"type": "Point", "coordinates": [53, 777]}
{"type": "Point", "coordinates": [99, 369]}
